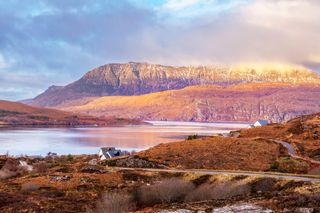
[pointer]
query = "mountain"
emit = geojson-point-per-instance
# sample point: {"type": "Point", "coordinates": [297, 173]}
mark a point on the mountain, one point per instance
{"type": "Point", "coordinates": [277, 102]}
{"type": "Point", "coordinates": [15, 114]}
{"type": "Point", "coordinates": [142, 78]}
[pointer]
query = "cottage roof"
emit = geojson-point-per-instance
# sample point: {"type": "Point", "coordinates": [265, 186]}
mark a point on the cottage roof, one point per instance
{"type": "Point", "coordinates": [110, 151]}
{"type": "Point", "coordinates": [262, 122]}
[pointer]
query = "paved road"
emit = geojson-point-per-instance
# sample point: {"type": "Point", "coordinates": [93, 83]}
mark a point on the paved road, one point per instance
{"type": "Point", "coordinates": [292, 152]}
{"type": "Point", "coordinates": [216, 172]}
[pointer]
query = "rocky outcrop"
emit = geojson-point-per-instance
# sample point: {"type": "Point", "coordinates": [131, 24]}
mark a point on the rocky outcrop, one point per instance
{"type": "Point", "coordinates": [241, 208]}
{"type": "Point", "coordinates": [133, 162]}
{"type": "Point", "coordinates": [142, 78]}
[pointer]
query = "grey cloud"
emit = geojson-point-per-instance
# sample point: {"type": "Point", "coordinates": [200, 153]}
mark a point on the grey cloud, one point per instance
{"type": "Point", "coordinates": [60, 40]}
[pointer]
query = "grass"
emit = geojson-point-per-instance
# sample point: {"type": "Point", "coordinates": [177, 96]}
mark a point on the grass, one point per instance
{"type": "Point", "coordinates": [200, 172]}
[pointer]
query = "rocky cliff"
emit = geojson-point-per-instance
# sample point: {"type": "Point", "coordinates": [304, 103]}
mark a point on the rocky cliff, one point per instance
{"type": "Point", "coordinates": [141, 78]}
{"type": "Point", "coordinates": [277, 102]}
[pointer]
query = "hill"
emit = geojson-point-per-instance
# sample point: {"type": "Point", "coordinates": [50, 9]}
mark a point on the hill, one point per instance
{"type": "Point", "coordinates": [251, 149]}
{"type": "Point", "coordinates": [15, 114]}
{"type": "Point", "coordinates": [277, 102]}
{"type": "Point", "coordinates": [143, 78]}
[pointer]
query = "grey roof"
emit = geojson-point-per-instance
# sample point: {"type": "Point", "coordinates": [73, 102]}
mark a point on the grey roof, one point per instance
{"type": "Point", "coordinates": [263, 122]}
{"type": "Point", "coordinates": [110, 152]}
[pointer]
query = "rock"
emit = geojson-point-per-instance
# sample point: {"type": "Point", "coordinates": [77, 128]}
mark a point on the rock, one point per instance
{"type": "Point", "coordinates": [304, 210]}
{"type": "Point", "coordinates": [242, 208]}
{"type": "Point", "coordinates": [60, 178]}
{"type": "Point", "coordinates": [176, 211]}
{"type": "Point", "coordinates": [25, 166]}
{"type": "Point", "coordinates": [133, 162]}
{"type": "Point", "coordinates": [93, 162]}
{"type": "Point", "coordinates": [92, 169]}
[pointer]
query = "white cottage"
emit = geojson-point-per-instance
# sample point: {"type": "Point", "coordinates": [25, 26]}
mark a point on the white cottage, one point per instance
{"type": "Point", "coordinates": [109, 152]}
{"type": "Point", "coordinates": [261, 123]}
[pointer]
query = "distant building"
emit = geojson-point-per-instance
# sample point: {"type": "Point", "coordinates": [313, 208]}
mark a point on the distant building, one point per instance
{"type": "Point", "coordinates": [259, 123]}
{"type": "Point", "coordinates": [109, 152]}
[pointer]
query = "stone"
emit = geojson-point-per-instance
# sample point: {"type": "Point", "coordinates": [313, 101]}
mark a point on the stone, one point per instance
{"type": "Point", "coordinates": [304, 210]}
{"type": "Point", "coordinates": [176, 211]}
{"type": "Point", "coordinates": [242, 208]}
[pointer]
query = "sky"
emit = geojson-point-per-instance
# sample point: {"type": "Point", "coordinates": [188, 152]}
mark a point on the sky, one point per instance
{"type": "Point", "coordinates": [54, 42]}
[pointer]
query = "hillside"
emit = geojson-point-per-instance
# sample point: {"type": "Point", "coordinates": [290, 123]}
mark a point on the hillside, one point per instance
{"type": "Point", "coordinates": [252, 149]}
{"type": "Point", "coordinates": [207, 103]}
{"type": "Point", "coordinates": [225, 153]}
{"type": "Point", "coordinates": [15, 114]}
{"type": "Point", "coordinates": [302, 132]}
{"type": "Point", "coordinates": [142, 78]}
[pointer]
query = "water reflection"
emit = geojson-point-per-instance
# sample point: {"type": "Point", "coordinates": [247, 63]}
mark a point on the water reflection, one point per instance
{"type": "Point", "coordinates": [88, 140]}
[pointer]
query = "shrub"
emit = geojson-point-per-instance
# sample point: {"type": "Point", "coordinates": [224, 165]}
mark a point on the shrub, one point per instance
{"type": "Point", "coordinates": [201, 180]}
{"type": "Point", "coordinates": [274, 166]}
{"type": "Point", "coordinates": [69, 157]}
{"type": "Point", "coordinates": [40, 167]}
{"type": "Point", "coordinates": [11, 165]}
{"type": "Point", "coordinates": [264, 185]}
{"type": "Point", "coordinates": [10, 169]}
{"type": "Point", "coordinates": [166, 191]}
{"type": "Point", "coordinates": [291, 165]}
{"type": "Point", "coordinates": [192, 137]}
{"type": "Point", "coordinates": [29, 186]}
{"type": "Point", "coordinates": [4, 174]}
{"type": "Point", "coordinates": [38, 117]}
{"type": "Point", "coordinates": [225, 190]}
{"type": "Point", "coordinates": [115, 203]}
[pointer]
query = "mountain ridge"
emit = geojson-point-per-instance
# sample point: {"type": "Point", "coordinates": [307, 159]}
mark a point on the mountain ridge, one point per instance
{"type": "Point", "coordinates": [135, 78]}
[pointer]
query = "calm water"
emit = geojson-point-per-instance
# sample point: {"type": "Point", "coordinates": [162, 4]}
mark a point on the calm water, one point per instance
{"type": "Point", "coordinates": [89, 140]}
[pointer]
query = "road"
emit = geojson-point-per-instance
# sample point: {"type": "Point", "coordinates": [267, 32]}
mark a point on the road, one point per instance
{"type": "Point", "coordinates": [292, 152]}
{"type": "Point", "coordinates": [216, 172]}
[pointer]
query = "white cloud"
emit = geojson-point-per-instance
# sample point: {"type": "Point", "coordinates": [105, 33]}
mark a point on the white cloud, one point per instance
{"type": "Point", "coordinates": [179, 4]}
{"type": "Point", "coordinates": [3, 63]}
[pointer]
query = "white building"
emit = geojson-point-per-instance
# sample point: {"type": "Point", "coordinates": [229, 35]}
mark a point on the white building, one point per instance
{"type": "Point", "coordinates": [109, 152]}
{"type": "Point", "coordinates": [259, 123]}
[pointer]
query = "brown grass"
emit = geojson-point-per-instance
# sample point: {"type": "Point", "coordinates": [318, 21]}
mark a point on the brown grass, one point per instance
{"type": "Point", "coordinates": [166, 191]}
{"type": "Point", "coordinates": [116, 202]}
{"type": "Point", "coordinates": [216, 153]}
{"type": "Point", "coordinates": [218, 191]}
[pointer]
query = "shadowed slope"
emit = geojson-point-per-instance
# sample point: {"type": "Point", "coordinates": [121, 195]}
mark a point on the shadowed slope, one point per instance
{"type": "Point", "coordinates": [247, 102]}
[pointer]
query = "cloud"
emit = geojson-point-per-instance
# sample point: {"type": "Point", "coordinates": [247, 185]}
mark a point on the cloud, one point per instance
{"type": "Point", "coordinates": [178, 5]}
{"type": "Point", "coordinates": [55, 42]}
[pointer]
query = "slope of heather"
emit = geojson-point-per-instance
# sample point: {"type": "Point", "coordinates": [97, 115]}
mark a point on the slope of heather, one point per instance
{"type": "Point", "coordinates": [302, 132]}
{"type": "Point", "coordinates": [216, 153]}
{"type": "Point", "coordinates": [142, 78]}
{"type": "Point", "coordinates": [16, 114]}
{"type": "Point", "coordinates": [245, 102]}
{"type": "Point", "coordinates": [253, 149]}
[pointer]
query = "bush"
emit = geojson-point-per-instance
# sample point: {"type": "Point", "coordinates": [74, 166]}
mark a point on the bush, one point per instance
{"type": "Point", "coordinates": [264, 185]}
{"type": "Point", "coordinates": [166, 191]}
{"type": "Point", "coordinates": [69, 157]}
{"type": "Point", "coordinates": [10, 168]}
{"type": "Point", "coordinates": [225, 190]}
{"type": "Point", "coordinates": [291, 165]}
{"type": "Point", "coordinates": [29, 186]}
{"type": "Point", "coordinates": [192, 137]}
{"type": "Point", "coordinates": [11, 165]}
{"type": "Point", "coordinates": [40, 167]}
{"type": "Point", "coordinates": [38, 117]}
{"type": "Point", "coordinates": [274, 166]}
{"type": "Point", "coordinates": [115, 203]}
